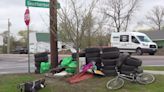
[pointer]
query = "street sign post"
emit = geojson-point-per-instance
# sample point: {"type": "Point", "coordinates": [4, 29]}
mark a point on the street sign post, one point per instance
{"type": "Point", "coordinates": [42, 4]}
{"type": "Point", "coordinates": [53, 5]}
{"type": "Point", "coordinates": [27, 22]}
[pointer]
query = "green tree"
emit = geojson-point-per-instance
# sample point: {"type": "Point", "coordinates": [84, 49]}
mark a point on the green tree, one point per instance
{"type": "Point", "coordinates": [23, 39]}
{"type": "Point", "coordinates": [13, 41]}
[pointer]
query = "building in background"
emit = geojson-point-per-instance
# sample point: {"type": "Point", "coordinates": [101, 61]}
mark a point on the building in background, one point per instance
{"type": "Point", "coordinates": [156, 36]}
{"type": "Point", "coordinates": [1, 44]}
{"type": "Point", "coordinates": [1, 40]}
{"type": "Point", "coordinates": [40, 42]}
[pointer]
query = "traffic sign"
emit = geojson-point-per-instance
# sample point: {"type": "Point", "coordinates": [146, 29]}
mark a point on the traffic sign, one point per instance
{"type": "Point", "coordinates": [42, 4]}
{"type": "Point", "coordinates": [27, 17]}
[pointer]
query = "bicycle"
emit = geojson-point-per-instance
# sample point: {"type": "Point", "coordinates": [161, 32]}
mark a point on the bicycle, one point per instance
{"type": "Point", "coordinates": [141, 78]}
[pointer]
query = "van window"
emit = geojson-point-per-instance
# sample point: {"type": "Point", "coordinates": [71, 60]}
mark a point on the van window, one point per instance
{"type": "Point", "coordinates": [115, 38]}
{"type": "Point", "coordinates": [134, 40]}
{"type": "Point", "coordinates": [144, 38]}
{"type": "Point", "coordinates": [124, 38]}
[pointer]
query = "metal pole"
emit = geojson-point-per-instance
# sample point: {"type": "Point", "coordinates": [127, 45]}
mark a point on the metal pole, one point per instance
{"type": "Point", "coordinates": [28, 47]}
{"type": "Point", "coordinates": [8, 38]}
{"type": "Point", "coordinates": [53, 33]}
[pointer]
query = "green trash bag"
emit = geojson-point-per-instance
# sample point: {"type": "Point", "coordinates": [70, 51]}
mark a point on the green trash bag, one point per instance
{"type": "Point", "coordinates": [66, 61]}
{"type": "Point", "coordinates": [71, 68]}
{"type": "Point", "coordinates": [44, 67]}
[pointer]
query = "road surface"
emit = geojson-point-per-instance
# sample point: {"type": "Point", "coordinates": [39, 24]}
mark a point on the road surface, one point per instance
{"type": "Point", "coordinates": [18, 63]}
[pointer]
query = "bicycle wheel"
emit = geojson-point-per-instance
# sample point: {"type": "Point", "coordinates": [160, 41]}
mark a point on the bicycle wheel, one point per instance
{"type": "Point", "coordinates": [145, 78]}
{"type": "Point", "coordinates": [115, 83]}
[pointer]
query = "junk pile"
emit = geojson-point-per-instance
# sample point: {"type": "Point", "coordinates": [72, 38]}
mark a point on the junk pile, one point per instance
{"type": "Point", "coordinates": [130, 65]}
{"type": "Point", "coordinates": [109, 58]}
{"type": "Point", "coordinates": [98, 61]}
{"type": "Point", "coordinates": [67, 66]}
{"type": "Point", "coordinates": [93, 54]}
{"type": "Point", "coordinates": [42, 63]}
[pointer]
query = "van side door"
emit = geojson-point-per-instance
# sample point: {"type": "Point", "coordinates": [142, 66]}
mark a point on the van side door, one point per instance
{"type": "Point", "coordinates": [124, 42]}
{"type": "Point", "coordinates": [135, 43]}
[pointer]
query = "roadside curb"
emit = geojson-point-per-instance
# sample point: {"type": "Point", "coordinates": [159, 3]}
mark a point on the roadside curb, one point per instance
{"type": "Point", "coordinates": [154, 72]}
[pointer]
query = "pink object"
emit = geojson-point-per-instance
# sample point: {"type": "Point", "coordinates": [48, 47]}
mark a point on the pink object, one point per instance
{"type": "Point", "coordinates": [86, 67]}
{"type": "Point", "coordinates": [79, 77]}
{"type": "Point", "coordinates": [82, 75]}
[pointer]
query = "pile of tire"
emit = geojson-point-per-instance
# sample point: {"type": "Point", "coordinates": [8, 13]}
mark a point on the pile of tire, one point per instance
{"type": "Point", "coordinates": [109, 59]}
{"type": "Point", "coordinates": [39, 58]}
{"type": "Point", "coordinates": [131, 65]}
{"type": "Point", "coordinates": [93, 55]}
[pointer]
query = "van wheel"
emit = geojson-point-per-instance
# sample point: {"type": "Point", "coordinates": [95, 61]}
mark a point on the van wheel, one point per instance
{"type": "Point", "coordinates": [151, 53]}
{"type": "Point", "coordinates": [139, 51]}
{"type": "Point", "coordinates": [130, 53]}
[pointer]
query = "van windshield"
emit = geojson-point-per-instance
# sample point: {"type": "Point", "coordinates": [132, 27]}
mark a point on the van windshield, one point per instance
{"type": "Point", "coordinates": [144, 38]}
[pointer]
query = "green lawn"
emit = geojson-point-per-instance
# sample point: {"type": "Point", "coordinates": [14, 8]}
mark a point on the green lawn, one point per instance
{"type": "Point", "coordinates": [154, 68]}
{"type": "Point", "coordinates": [8, 83]}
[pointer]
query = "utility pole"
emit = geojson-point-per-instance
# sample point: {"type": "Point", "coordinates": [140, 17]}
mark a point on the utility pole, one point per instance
{"type": "Point", "coordinates": [8, 37]}
{"type": "Point", "coordinates": [53, 33]}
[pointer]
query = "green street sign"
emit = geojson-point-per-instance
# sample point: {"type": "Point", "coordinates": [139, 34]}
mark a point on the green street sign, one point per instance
{"type": "Point", "coordinates": [42, 4]}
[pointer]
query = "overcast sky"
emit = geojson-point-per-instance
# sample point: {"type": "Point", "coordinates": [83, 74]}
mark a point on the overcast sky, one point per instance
{"type": "Point", "coordinates": [14, 10]}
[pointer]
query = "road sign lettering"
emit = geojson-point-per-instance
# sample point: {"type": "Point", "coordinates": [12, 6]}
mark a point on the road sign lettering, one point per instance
{"type": "Point", "coordinates": [42, 4]}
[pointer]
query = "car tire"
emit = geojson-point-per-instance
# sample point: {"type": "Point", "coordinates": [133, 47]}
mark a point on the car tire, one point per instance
{"type": "Point", "coordinates": [92, 50]}
{"type": "Point", "coordinates": [110, 49]}
{"type": "Point", "coordinates": [90, 55]}
{"type": "Point", "coordinates": [110, 55]}
{"type": "Point", "coordinates": [82, 54]}
{"type": "Point", "coordinates": [128, 68]}
{"type": "Point", "coordinates": [133, 61]}
{"type": "Point", "coordinates": [94, 59]}
{"type": "Point", "coordinates": [38, 55]}
{"type": "Point", "coordinates": [122, 59]}
{"type": "Point", "coordinates": [41, 59]}
{"type": "Point", "coordinates": [139, 51]}
{"type": "Point", "coordinates": [108, 67]}
{"type": "Point", "coordinates": [109, 62]}
{"type": "Point", "coordinates": [37, 64]}
{"type": "Point", "coordinates": [109, 72]}
{"type": "Point", "coordinates": [152, 53]}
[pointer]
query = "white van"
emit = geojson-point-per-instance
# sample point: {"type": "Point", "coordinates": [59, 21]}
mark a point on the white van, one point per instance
{"type": "Point", "coordinates": [130, 42]}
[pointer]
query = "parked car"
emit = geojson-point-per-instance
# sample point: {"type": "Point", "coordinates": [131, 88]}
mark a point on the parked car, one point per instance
{"type": "Point", "coordinates": [20, 50]}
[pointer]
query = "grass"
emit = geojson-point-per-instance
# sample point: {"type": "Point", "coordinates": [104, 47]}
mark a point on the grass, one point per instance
{"type": "Point", "coordinates": [8, 83]}
{"type": "Point", "coordinates": [154, 68]}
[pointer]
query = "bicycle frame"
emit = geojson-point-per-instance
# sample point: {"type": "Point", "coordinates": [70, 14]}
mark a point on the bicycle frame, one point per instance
{"type": "Point", "coordinates": [131, 77]}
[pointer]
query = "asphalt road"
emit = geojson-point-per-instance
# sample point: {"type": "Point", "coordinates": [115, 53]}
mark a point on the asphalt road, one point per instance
{"type": "Point", "coordinates": [18, 63]}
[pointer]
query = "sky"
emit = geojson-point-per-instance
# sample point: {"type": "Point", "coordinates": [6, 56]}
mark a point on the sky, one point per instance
{"type": "Point", "coordinates": [14, 10]}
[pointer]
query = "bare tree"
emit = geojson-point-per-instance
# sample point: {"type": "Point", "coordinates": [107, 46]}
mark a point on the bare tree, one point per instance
{"type": "Point", "coordinates": [76, 21]}
{"type": "Point", "coordinates": [119, 12]}
{"type": "Point", "coordinates": [156, 17]}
